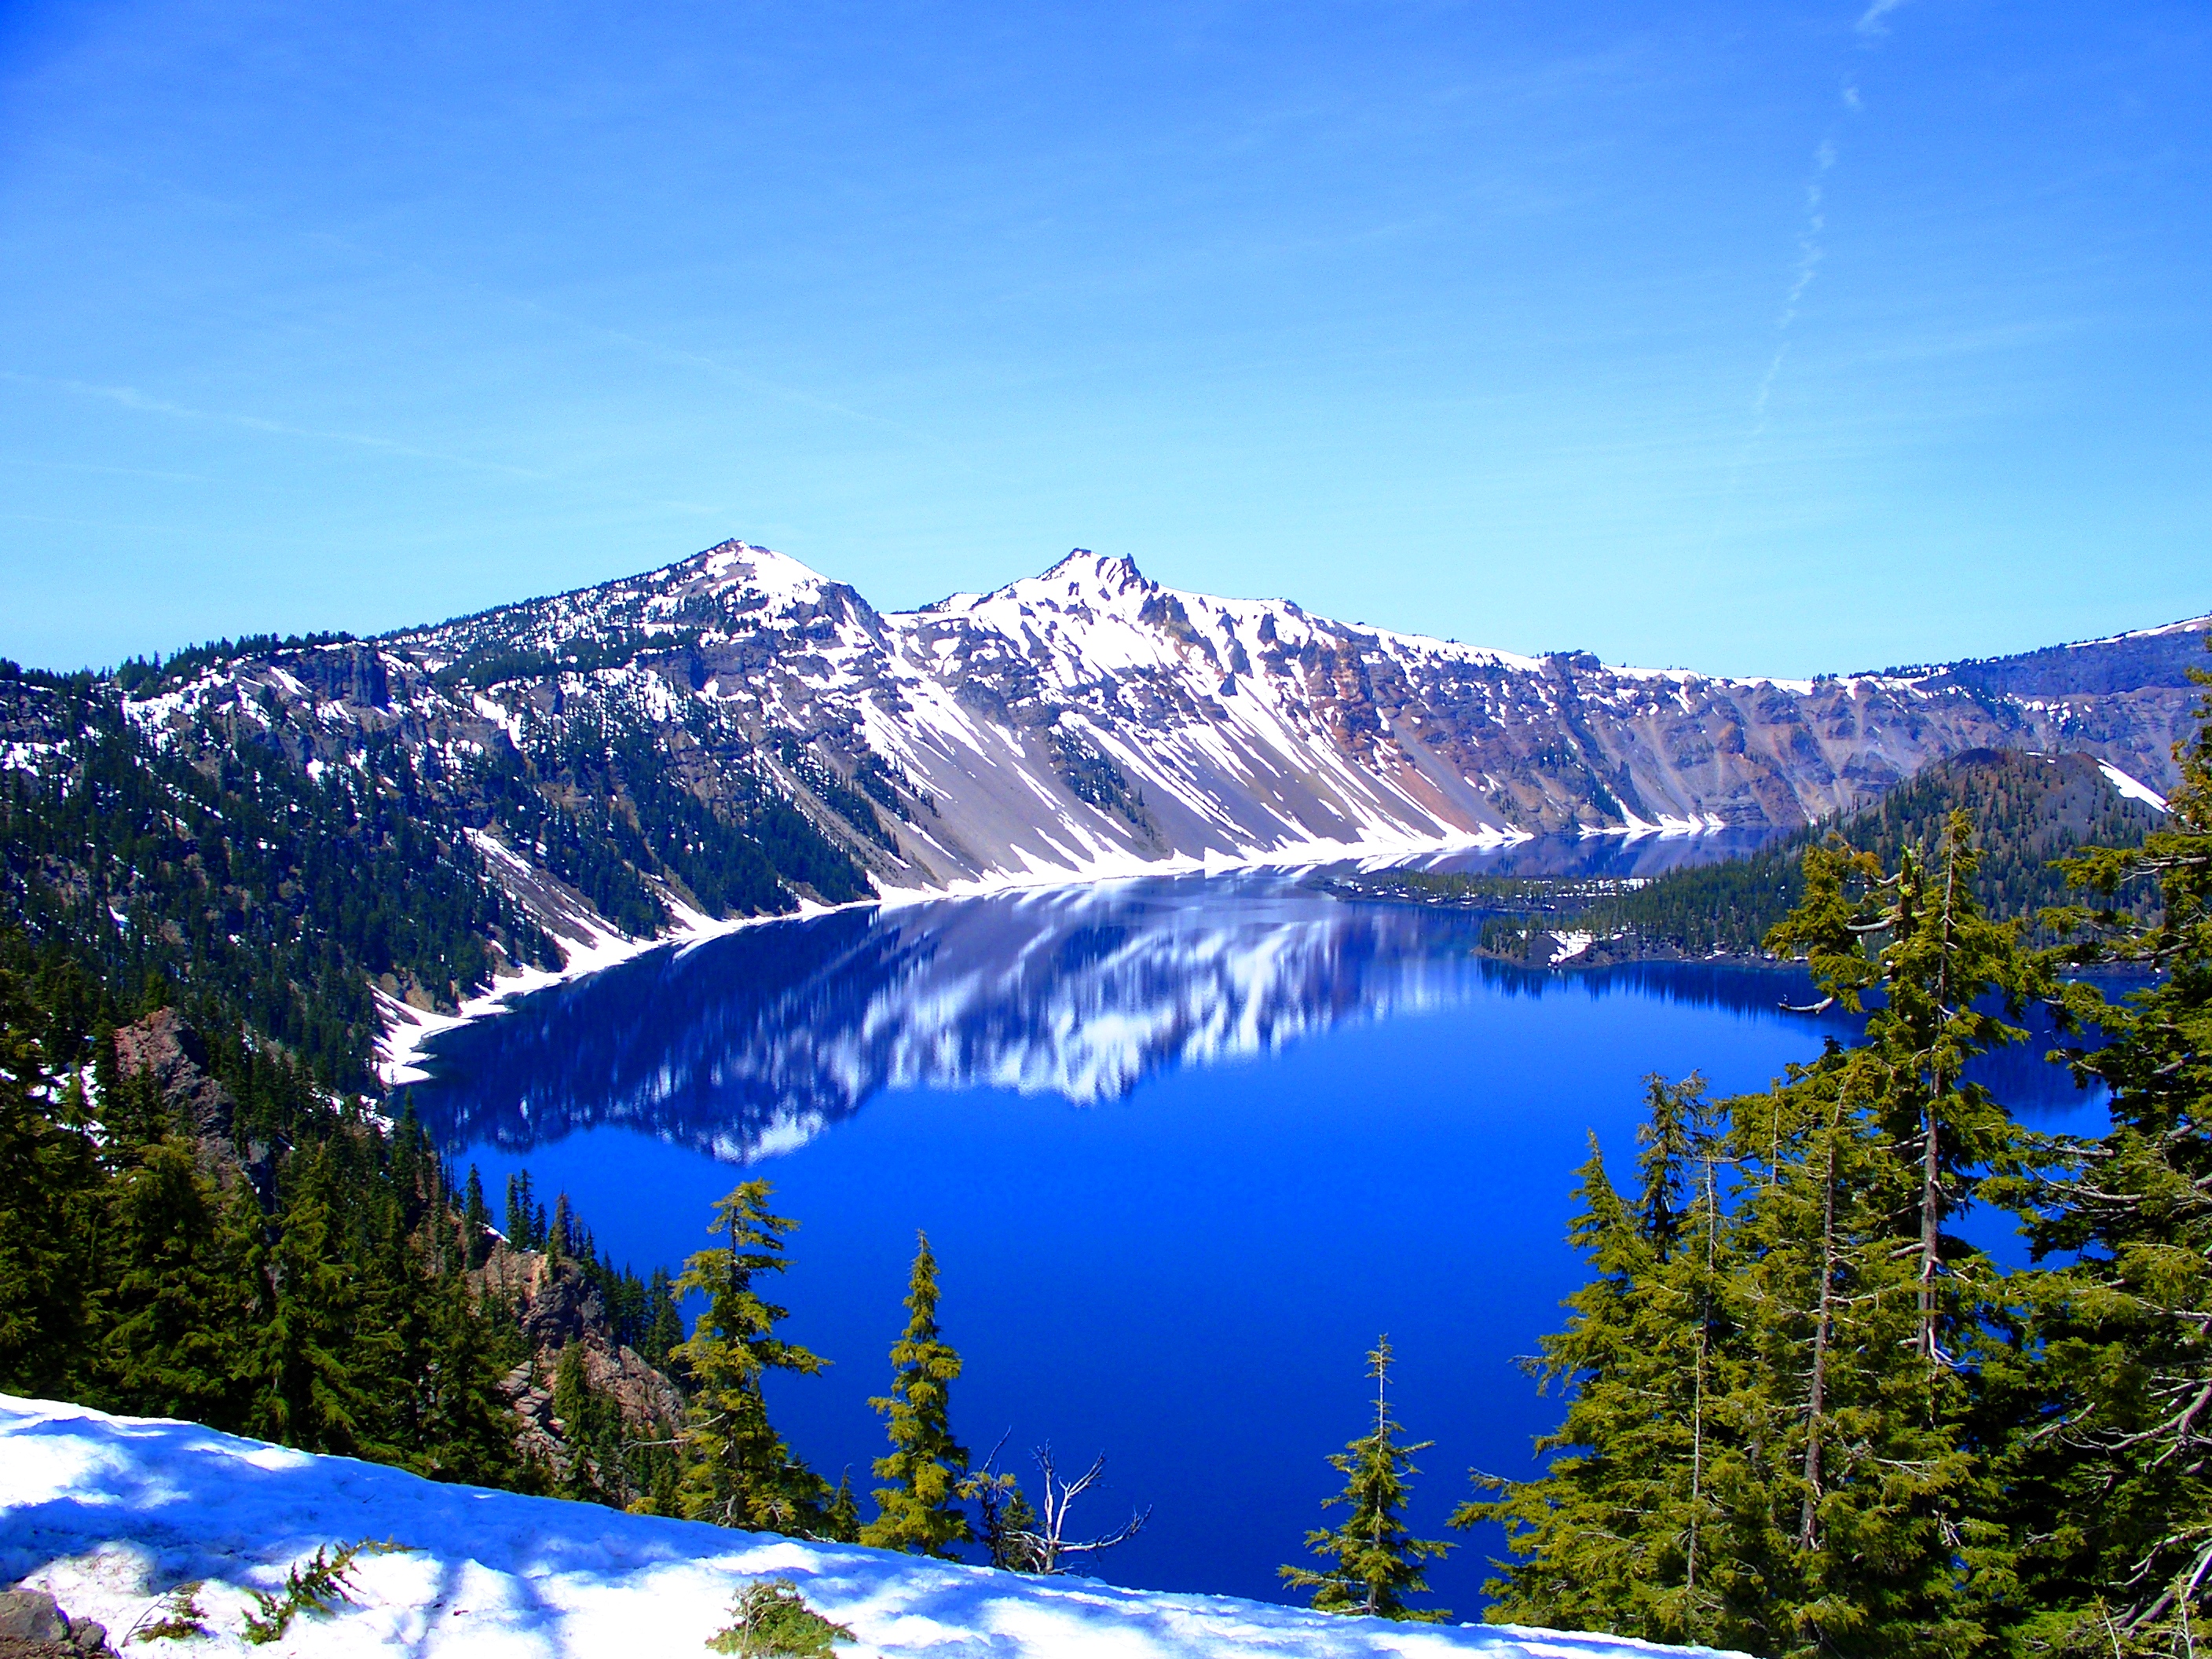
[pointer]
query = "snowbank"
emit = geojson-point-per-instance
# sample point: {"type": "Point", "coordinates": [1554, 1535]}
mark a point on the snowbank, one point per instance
{"type": "Point", "coordinates": [109, 1514]}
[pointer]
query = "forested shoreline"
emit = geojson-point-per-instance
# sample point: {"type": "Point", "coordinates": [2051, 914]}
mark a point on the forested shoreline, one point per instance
{"type": "Point", "coordinates": [2029, 811]}
{"type": "Point", "coordinates": [233, 868]}
{"type": "Point", "coordinates": [191, 1226]}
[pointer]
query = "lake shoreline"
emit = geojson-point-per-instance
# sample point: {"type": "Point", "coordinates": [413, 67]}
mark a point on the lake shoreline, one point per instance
{"type": "Point", "coordinates": [1597, 955]}
{"type": "Point", "coordinates": [407, 1032]}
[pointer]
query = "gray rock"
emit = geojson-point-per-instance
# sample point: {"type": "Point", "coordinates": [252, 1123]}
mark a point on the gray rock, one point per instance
{"type": "Point", "coordinates": [32, 1615]}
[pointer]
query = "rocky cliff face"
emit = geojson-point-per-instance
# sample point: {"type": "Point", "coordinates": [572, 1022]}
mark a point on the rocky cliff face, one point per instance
{"type": "Point", "coordinates": [555, 1306]}
{"type": "Point", "coordinates": [1091, 720]}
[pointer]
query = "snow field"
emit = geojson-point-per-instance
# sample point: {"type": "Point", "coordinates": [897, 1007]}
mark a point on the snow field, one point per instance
{"type": "Point", "coordinates": [111, 1514]}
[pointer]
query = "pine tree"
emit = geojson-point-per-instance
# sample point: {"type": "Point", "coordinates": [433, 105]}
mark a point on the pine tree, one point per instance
{"type": "Point", "coordinates": [175, 1313]}
{"type": "Point", "coordinates": [476, 1222]}
{"type": "Point", "coordinates": [1870, 1533]}
{"type": "Point", "coordinates": [1941, 959]}
{"type": "Point", "coordinates": [50, 1192]}
{"type": "Point", "coordinates": [739, 1472]}
{"type": "Point", "coordinates": [304, 1364]}
{"type": "Point", "coordinates": [841, 1521]}
{"type": "Point", "coordinates": [1673, 1116]}
{"type": "Point", "coordinates": [1624, 1530]}
{"type": "Point", "coordinates": [919, 1511]}
{"type": "Point", "coordinates": [468, 1429]}
{"type": "Point", "coordinates": [664, 1326]}
{"type": "Point", "coordinates": [412, 1164]}
{"type": "Point", "coordinates": [2111, 1477]}
{"type": "Point", "coordinates": [1778, 1434]}
{"type": "Point", "coordinates": [392, 1368]}
{"type": "Point", "coordinates": [1378, 1562]}
{"type": "Point", "coordinates": [591, 1424]}
{"type": "Point", "coordinates": [524, 1229]}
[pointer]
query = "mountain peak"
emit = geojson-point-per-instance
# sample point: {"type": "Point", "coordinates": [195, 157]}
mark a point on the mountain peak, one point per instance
{"type": "Point", "coordinates": [776, 574]}
{"type": "Point", "coordinates": [1110, 573]}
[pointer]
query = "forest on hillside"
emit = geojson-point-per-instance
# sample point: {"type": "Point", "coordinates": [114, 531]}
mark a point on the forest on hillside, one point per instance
{"type": "Point", "coordinates": [244, 879]}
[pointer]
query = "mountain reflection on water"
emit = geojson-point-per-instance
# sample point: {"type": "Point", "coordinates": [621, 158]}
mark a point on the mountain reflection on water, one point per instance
{"type": "Point", "coordinates": [749, 1044]}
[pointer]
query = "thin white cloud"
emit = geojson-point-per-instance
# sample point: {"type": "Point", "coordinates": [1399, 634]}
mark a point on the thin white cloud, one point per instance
{"type": "Point", "coordinates": [1765, 391]}
{"type": "Point", "coordinates": [1870, 20]}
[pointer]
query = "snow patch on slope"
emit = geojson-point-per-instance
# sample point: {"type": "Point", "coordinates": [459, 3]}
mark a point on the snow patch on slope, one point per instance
{"type": "Point", "coordinates": [2133, 788]}
{"type": "Point", "coordinates": [109, 1514]}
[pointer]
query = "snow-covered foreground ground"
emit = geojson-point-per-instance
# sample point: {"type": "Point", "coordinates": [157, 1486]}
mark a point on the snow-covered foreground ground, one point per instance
{"type": "Point", "coordinates": [110, 1514]}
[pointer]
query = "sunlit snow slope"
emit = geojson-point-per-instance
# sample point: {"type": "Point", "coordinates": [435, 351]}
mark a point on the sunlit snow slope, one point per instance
{"type": "Point", "coordinates": [111, 1514]}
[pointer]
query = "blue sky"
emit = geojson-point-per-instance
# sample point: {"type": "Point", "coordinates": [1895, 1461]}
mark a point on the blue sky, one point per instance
{"type": "Point", "coordinates": [1771, 338]}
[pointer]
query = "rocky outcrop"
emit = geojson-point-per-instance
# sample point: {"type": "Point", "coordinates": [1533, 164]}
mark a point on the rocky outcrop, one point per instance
{"type": "Point", "coordinates": [33, 1626]}
{"type": "Point", "coordinates": [164, 1051]}
{"type": "Point", "coordinates": [555, 1306]}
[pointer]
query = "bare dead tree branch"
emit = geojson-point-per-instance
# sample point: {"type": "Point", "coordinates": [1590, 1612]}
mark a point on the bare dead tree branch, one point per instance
{"type": "Point", "coordinates": [1049, 1544]}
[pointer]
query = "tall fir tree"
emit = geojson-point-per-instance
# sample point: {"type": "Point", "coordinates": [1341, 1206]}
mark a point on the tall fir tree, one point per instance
{"type": "Point", "coordinates": [840, 1519]}
{"type": "Point", "coordinates": [468, 1428]}
{"type": "Point", "coordinates": [476, 1222]}
{"type": "Point", "coordinates": [591, 1423]}
{"type": "Point", "coordinates": [664, 1326]}
{"type": "Point", "coordinates": [304, 1363]}
{"type": "Point", "coordinates": [51, 1191]}
{"type": "Point", "coordinates": [1378, 1561]}
{"type": "Point", "coordinates": [175, 1316]}
{"type": "Point", "coordinates": [739, 1472]}
{"type": "Point", "coordinates": [919, 1510]}
{"type": "Point", "coordinates": [2110, 1481]}
{"type": "Point", "coordinates": [1624, 1531]}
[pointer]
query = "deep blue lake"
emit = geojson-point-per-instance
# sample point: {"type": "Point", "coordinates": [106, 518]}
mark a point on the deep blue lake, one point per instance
{"type": "Point", "coordinates": [1184, 1147]}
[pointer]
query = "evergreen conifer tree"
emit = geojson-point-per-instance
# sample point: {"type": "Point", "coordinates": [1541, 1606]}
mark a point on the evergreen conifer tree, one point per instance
{"type": "Point", "coordinates": [175, 1313]}
{"type": "Point", "coordinates": [1378, 1561]}
{"type": "Point", "coordinates": [413, 1165]}
{"type": "Point", "coordinates": [664, 1326]}
{"type": "Point", "coordinates": [396, 1315]}
{"type": "Point", "coordinates": [526, 1228]}
{"type": "Point", "coordinates": [1778, 1436]}
{"type": "Point", "coordinates": [306, 1376]}
{"type": "Point", "coordinates": [841, 1521]}
{"type": "Point", "coordinates": [591, 1423]}
{"type": "Point", "coordinates": [476, 1222]}
{"type": "Point", "coordinates": [2110, 1482]}
{"type": "Point", "coordinates": [919, 1511]}
{"type": "Point", "coordinates": [1623, 1531]}
{"type": "Point", "coordinates": [468, 1429]}
{"type": "Point", "coordinates": [50, 1189]}
{"type": "Point", "coordinates": [738, 1471]}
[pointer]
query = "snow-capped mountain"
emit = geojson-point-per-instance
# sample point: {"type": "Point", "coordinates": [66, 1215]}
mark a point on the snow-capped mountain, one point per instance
{"type": "Point", "coordinates": [735, 729]}
{"type": "Point", "coordinates": [1091, 718]}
